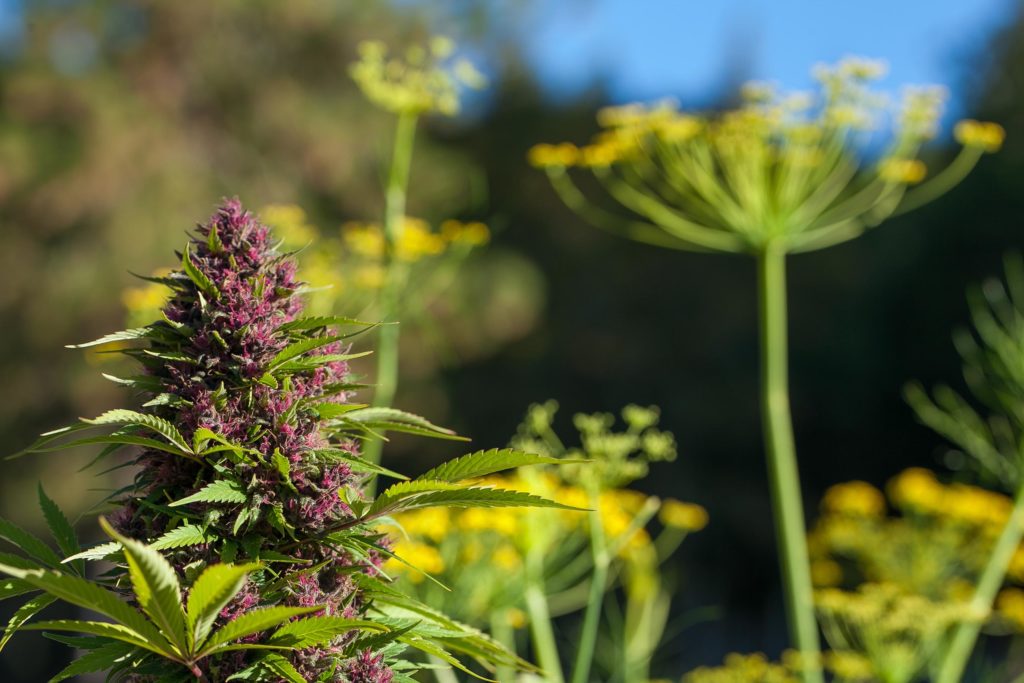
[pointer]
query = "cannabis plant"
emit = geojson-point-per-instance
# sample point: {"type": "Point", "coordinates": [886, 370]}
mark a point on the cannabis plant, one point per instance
{"type": "Point", "coordinates": [779, 175]}
{"type": "Point", "coordinates": [245, 546]}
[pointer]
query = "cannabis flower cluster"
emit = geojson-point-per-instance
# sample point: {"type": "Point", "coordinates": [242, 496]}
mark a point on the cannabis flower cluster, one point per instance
{"type": "Point", "coordinates": [239, 377]}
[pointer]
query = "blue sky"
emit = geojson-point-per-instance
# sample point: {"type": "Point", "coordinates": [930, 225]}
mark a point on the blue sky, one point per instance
{"type": "Point", "coordinates": [645, 49]}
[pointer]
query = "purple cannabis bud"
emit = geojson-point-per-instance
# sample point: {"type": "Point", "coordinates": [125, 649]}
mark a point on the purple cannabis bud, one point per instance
{"type": "Point", "coordinates": [246, 383]}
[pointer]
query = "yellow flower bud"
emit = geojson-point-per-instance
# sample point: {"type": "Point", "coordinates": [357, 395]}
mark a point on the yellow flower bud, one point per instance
{"type": "Point", "coordinates": [985, 135]}
{"type": "Point", "coordinates": [685, 516]}
{"type": "Point", "coordinates": [908, 171]}
{"type": "Point", "coordinates": [553, 156]}
{"type": "Point", "coordinates": [855, 498]}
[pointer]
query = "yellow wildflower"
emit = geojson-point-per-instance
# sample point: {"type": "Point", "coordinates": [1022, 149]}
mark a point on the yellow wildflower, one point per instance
{"type": "Point", "coordinates": [290, 224]}
{"type": "Point", "coordinates": [740, 668]}
{"type": "Point", "coordinates": [598, 155]}
{"type": "Point", "coordinates": [364, 239]}
{"type": "Point", "coordinates": [909, 171]}
{"type": "Point", "coordinates": [416, 241]}
{"type": "Point", "coordinates": [977, 506]}
{"type": "Point", "coordinates": [985, 135]}
{"type": "Point", "coordinates": [473, 234]}
{"type": "Point", "coordinates": [680, 128]}
{"type": "Point", "coordinates": [917, 489]}
{"type": "Point", "coordinates": [503, 520]}
{"type": "Point", "coordinates": [849, 666]}
{"type": "Point", "coordinates": [516, 617]}
{"type": "Point", "coordinates": [143, 303]}
{"type": "Point", "coordinates": [1010, 606]}
{"type": "Point", "coordinates": [422, 556]}
{"type": "Point", "coordinates": [854, 498]}
{"type": "Point", "coordinates": [506, 557]}
{"type": "Point", "coordinates": [553, 156]}
{"type": "Point", "coordinates": [432, 523]}
{"type": "Point", "coordinates": [424, 80]}
{"type": "Point", "coordinates": [685, 516]}
{"type": "Point", "coordinates": [1016, 568]}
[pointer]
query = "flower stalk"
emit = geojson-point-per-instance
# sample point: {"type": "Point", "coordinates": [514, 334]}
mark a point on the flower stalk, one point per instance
{"type": "Point", "coordinates": [394, 270]}
{"type": "Point", "coordinates": [540, 622]}
{"type": "Point", "coordinates": [965, 635]}
{"type": "Point", "coordinates": [783, 472]}
{"type": "Point", "coordinates": [422, 81]}
{"type": "Point", "coordinates": [781, 174]}
{"type": "Point", "coordinates": [598, 586]}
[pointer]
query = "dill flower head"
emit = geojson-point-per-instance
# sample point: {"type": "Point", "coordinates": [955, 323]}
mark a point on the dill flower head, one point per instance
{"type": "Point", "coordinates": [882, 632]}
{"type": "Point", "coordinates": [742, 668]}
{"type": "Point", "coordinates": [423, 79]}
{"type": "Point", "coordinates": [783, 170]}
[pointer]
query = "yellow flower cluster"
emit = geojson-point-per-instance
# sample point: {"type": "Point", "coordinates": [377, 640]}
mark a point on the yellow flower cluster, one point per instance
{"type": "Point", "coordinates": [741, 668]}
{"type": "Point", "coordinates": [907, 171]}
{"type": "Point", "coordinates": [984, 135]}
{"type": "Point", "coordinates": [502, 531]}
{"type": "Point", "coordinates": [848, 666]}
{"type": "Point", "coordinates": [882, 632]}
{"type": "Point", "coordinates": [291, 225]}
{"type": "Point", "coordinates": [424, 79]}
{"type": "Point", "coordinates": [422, 556]}
{"type": "Point", "coordinates": [416, 239]}
{"type": "Point", "coordinates": [771, 129]}
{"type": "Point", "coordinates": [143, 303]}
{"type": "Point", "coordinates": [855, 498]}
{"type": "Point", "coordinates": [1010, 608]}
{"type": "Point", "coordinates": [917, 490]}
{"type": "Point", "coordinates": [934, 548]}
{"type": "Point", "coordinates": [685, 516]}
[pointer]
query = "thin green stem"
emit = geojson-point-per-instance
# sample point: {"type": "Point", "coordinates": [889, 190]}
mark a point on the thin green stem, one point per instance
{"type": "Point", "coordinates": [595, 601]}
{"type": "Point", "coordinates": [501, 629]}
{"type": "Point", "coordinates": [966, 633]}
{"type": "Point", "coordinates": [787, 503]}
{"type": "Point", "coordinates": [394, 277]}
{"type": "Point", "coordinates": [540, 621]}
{"type": "Point", "coordinates": [442, 671]}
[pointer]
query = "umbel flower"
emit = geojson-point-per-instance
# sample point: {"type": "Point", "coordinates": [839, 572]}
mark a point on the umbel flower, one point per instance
{"type": "Point", "coordinates": [780, 174]}
{"type": "Point", "coordinates": [250, 480]}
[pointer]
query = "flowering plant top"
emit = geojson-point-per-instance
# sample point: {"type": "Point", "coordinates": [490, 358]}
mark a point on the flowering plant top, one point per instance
{"type": "Point", "coordinates": [782, 169]}
{"type": "Point", "coordinates": [251, 484]}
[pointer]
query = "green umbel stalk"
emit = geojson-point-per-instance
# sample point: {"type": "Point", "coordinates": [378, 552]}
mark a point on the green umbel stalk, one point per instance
{"type": "Point", "coordinates": [394, 275]}
{"type": "Point", "coordinates": [502, 631]}
{"type": "Point", "coordinates": [966, 633]}
{"type": "Point", "coordinates": [787, 502]}
{"type": "Point", "coordinates": [595, 600]}
{"type": "Point", "coordinates": [541, 630]}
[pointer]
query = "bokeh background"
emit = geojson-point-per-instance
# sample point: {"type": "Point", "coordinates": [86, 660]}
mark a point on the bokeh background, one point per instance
{"type": "Point", "coordinates": [123, 122]}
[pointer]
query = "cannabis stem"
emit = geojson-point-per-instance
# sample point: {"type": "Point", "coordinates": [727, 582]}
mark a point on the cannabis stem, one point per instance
{"type": "Point", "coordinates": [787, 505]}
